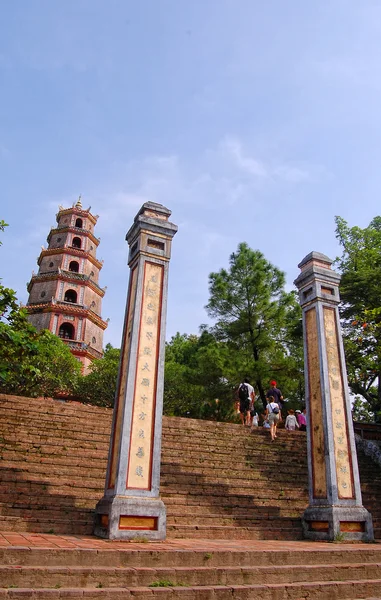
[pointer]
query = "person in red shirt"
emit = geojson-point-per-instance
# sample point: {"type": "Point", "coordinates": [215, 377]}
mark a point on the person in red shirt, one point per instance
{"type": "Point", "coordinates": [276, 394]}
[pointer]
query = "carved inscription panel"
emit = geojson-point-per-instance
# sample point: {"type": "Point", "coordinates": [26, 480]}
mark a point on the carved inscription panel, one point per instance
{"type": "Point", "coordinates": [315, 410]}
{"type": "Point", "coordinates": [139, 468]}
{"type": "Point", "coordinates": [339, 421]}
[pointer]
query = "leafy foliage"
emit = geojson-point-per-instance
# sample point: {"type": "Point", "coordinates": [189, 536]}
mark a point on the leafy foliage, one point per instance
{"type": "Point", "coordinates": [3, 225]}
{"type": "Point", "coordinates": [360, 410]}
{"type": "Point", "coordinates": [195, 382]}
{"type": "Point", "coordinates": [258, 320]}
{"type": "Point", "coordinates": [360, 291]}
{"type": "Point", "coordinates": [98, 387]}
{"type": "Point", "coordinates": [32, 363]}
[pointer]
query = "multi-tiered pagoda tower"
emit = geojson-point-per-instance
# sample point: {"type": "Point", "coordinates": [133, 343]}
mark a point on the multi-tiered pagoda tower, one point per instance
{"type": "Point", "coordinates": [65, 296]}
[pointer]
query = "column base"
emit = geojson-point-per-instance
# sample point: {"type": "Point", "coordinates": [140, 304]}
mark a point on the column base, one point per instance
{"type": "Point", "coordinates": [128, 518]}
{"type": "Point", "coordinates": [338, 523]}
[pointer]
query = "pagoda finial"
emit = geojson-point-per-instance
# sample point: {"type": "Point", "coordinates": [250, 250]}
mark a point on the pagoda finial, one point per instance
{"type": "Point", "coordinates": [79, 203]}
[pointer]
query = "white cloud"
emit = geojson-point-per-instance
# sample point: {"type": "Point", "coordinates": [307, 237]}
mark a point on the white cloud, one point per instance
{"type": "Point", "coordinates": [292, 174]}
{"type": "Point", "coordinates": [246, 163]}
{"type": "Point", "coordinates": [221, 176]}
{"type": "Point", "coordinates": [261, 169]}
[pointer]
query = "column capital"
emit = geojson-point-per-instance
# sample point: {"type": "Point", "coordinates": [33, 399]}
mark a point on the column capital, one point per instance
{"type": "Point", "coordinates": [151, 232]}
{"type": "Point", "coordinates": [317, 280]}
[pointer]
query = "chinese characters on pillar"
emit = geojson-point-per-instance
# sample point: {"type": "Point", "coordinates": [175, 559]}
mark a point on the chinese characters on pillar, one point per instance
{"type": "Point", "coordinates": [338, 416]}
{"type": "Point", "coordinates": [139, 468]}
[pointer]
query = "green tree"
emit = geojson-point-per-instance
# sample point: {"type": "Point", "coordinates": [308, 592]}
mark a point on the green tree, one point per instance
{"type": "Point", "coordinates": [256, 318]}
{"type": "Point", "coordinates": [195, 382]}
{"type": "Point", "coordinates": [360, 310]}
{"type": "Point", "coordinates": [32, 363]}
{"type": "Point", "coordinates": [360, 410]}
{"type": "Point", "coordinates": [98, 387]}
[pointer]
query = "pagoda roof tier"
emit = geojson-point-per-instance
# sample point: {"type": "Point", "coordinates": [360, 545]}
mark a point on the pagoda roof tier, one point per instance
{"type": "Point", "coordinates": [69, 308]}
{"type": "Point", "coordinates": [79, 348]}
{"type": "Point", "coordinates": [70, 276]}
{"type": "Point", "coordinates": [78, 252]}
{"type": "Point", "coordinates": [76, 210]}
{"type": "Point", "coordinates": [70, 229]}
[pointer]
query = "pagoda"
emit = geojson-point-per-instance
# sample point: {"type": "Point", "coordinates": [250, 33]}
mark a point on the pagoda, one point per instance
{"type": "Point", "coordinates": [65, 296]}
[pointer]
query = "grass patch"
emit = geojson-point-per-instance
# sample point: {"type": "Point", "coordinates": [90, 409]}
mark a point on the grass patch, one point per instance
{"type": "Point", "coordinates": [140, 539]}
{"type": "Point", "coordinates": [165, 583]}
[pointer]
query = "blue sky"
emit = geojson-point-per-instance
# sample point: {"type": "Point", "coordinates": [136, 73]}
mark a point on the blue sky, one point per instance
{"type": "Point", "coordinates": [252, 121]}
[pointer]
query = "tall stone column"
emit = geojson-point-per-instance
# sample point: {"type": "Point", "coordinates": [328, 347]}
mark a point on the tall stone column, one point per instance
{"type": "Point", "coordinates": [131, 505]}
{"type": "Point", "coordinates": [335, 503]}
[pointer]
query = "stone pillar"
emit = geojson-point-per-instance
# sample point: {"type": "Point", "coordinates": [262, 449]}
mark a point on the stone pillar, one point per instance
{"type": "Point", "coordinates": [131, 506]}
{"type": "Point", "coordinates": [335, 508]}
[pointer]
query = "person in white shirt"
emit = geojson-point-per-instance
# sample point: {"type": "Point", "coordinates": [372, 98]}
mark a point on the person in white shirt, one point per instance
{"type": "Point", "coordinates": [291, 422]}
{"type": "Point", "coordinates": [273, 415]}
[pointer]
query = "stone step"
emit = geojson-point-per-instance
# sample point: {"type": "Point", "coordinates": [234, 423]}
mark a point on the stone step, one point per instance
{"type": "Point", "coordinates": [238, 511]}
{"type": "Point", "coordinates": [175, 509]}
{"type": "Point", "coordinates": [202, 532]}
{"type": "Point", "coordinates": [184, 454]}
{"type": "Point", "coordinates": [60, 466]}
{"type": "Point", "coordinates": [47, 512]}
{"type": "Point", "coordinates": [20, 403]}
{"type": "Point", "coordinates": [255, 521]}
{"type": "Point", "coordinates": [240, 440]}
{"type": "Point", "coordinates": [26, 491]}
{"type": "Point", "coordinates": [226, 532]}
{"type": "Point", "coordinates": [130, 577]}
{"type": "Point", "coordinates": [61, 456]}
{"type": "Point", "coordinates": [59, 513]}
{"type": "Point", "coordinates": [44, 438]}
{"type": "Point", "coordinates": [294, 591]}
{"type": "Point", "coordinates": [53, 526]}
{"type": "Point", "coordinates": [65, 484]}
{"type": "Point", "coordinates": [154, 555]}
{"type": "Point", "coordinates": [179, 483]}
{"type": "Point", "coordinates": [213, 487]}
{"type": "Point", "coordinates": [241, 478]}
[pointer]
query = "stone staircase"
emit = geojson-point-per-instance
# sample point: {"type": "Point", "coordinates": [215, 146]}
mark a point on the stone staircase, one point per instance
{"type": "Point", "coordinates": [170, 574]}
{"type": "Point", "coordinates": [224, 488]}
{"type": "Point", "coordinates": [218, 480]}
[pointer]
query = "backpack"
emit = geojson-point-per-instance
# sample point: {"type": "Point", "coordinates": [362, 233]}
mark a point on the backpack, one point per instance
{"type": "Point", "coordinates": [275, 410]}
{"type": "Point", "coordinates": [243, 392]}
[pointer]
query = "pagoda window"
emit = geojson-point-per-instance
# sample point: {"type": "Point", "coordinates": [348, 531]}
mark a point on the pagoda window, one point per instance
{"type": "Point", "coordinates": [76, 243]}
{"type": "Point", "coordinates": [66, 331]}
{"type": "Point", "coordinates": [71, 296]}
{"type": "Point", "coordinates": [74, 266]}
{"type": "Point", "coordinates": [79, 223]}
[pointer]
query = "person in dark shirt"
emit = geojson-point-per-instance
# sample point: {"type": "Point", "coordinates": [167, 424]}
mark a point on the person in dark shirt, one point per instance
{"type": "Point", "coordinates": [276, 393]}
